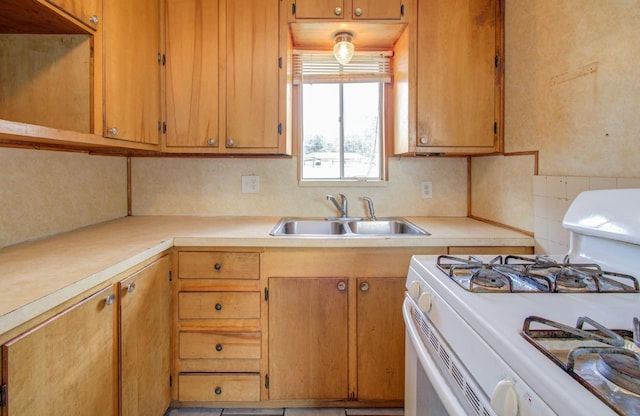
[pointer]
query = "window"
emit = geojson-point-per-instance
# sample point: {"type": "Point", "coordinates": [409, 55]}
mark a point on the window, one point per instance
{"type": "Point", "coordinates": [342, 116]}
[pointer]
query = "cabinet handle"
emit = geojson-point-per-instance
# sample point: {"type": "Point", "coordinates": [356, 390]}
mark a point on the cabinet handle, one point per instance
{"type": "Point", "coordinates": [211, 141]}
{"type": "Point", "coordinates": [424, 140]}
{"type": "Point", "coordinates": [218, 306]}
{"type": "Point", "coordinates": [131, 287]}
{"type": "Point", "coordinates": [218, 391]}
{"type": "Point", "coordinates": [358, 11]}
{"type": "Point", "coordinates": [219, 347]}
{"type": "Point", "coordinates": [217, 266]}
{"type": "Point", "coordinates": [113, 131]}
{"type": "Point", "coordinates": [338, 11]}
{"type": "Point", "coordinates": [364, 286]}
{"type": "Point", "coordinates": [109, 300]}
{"type": "Point", "coordinates": [342, 286]}
{"type": "Point", "coordinates": [230, 142]}
{"type": "Point", "coordinates": [94, 19]}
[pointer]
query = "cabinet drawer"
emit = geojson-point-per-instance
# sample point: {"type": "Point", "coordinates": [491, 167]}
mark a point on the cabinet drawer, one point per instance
{"type": "Point", "coordinates": [219, 305]}
{"type": "Point", "coordinates": [219, 387]}
{"type": "Point", "coordinates": [228, 345]}
{"type": "Point", "coordinates": [218, 265]}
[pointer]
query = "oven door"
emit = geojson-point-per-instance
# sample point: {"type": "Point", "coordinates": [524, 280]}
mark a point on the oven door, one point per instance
{"type": "Point", "coordinates": [431, 387]}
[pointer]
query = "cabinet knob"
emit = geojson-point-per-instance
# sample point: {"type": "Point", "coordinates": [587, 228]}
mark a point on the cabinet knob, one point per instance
{"type": "Point", "coordinates": [217, 266]}
{"type": "Point", "coordinates": [219, 347]}
{"type": "Point", "coordinates": [218, 391]}
{"type": "Point", "coordinates": [424, 140]}
{"type": "Point", "coordinates": [131, 287]}
{"type": "Point", "coordinates": [338, 11]}
{"type": "Point", "coordinates": [358, 11]}
{"type": "Point", "coordinates": [218, 306]}
{"type": "Point", "coordinates": [211, 141]}
{"type": "Point", "coordinates": [342, 286]}
{"type": "Point", "coordinates": [230, 142]}
{"type": "Point", "coordinates": [364, 286]}
{"type": "Point", "coordinates": [109, 300]}
{"type": "Point", "coordinates": [94, 19]}
{"type": "Point", "coordinates": [113, 131]}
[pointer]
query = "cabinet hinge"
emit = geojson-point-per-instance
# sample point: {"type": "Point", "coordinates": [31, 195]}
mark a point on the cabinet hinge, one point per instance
{"type": "Point", "coordinates": [495, 127]}
{"type": "Point", "coordinates": [293, 9]}
{"type": "Point", "coordinates": [280, 128]}
{"type": "Point", "coordinates": [266, 381]}
{"type": "Point", "coordinates": [170, 275]}
{"type": "Point", "coordinates": [266, 294]}
{"type": "Point", "coordinates": [402, 10]}
{"type": "Point", "coordinates": [3, 395]}
{"type": "Point", "coordinates": [497, 61]}
{"type": "Point", "coordinates": [164, 60]}
{"type": "Point", "coordinates": [280, 62]}
{"type": "Point", "coordinates": [170, 381]}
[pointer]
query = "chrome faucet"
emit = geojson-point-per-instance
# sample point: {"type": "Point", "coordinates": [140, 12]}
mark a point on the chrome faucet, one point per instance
{"type": "Point", "coordinates": [342, 208]}
{"type": "Point", "coordinates": [372, 214]}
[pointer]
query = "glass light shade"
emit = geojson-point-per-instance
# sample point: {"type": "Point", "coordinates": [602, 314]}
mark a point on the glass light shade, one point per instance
{"type": "Point", "coordinates": [343, 49]}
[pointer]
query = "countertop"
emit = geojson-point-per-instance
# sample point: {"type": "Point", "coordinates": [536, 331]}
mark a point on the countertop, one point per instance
{"type": "Point", "coordinates": [39, 275]}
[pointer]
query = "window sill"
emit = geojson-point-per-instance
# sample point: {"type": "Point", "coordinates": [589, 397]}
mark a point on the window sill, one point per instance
{"type": "Point", "coordinates": [310, 183]}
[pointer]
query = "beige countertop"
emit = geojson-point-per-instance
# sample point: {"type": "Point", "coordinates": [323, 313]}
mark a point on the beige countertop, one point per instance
{"type": "Point", "coordinates": [39, 275]}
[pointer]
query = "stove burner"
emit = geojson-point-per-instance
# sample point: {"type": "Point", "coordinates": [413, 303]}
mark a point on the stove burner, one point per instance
{"type": "Point", "coordinates": [622, 368]}
{"type": "Point", "coordinates": [487, 278]}
{"type": "Point", "coordinates": [568, 278]}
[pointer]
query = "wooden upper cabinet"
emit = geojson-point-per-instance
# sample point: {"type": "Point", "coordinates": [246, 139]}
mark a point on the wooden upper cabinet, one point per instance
{"type": "Point", "coordinates": [348, 9]}
{"type": "Point", "coordinates": [252, 75]}
{"type": "Point", "coordinates": [225, 77]}
{"type": "Point", "coordinates": [132, 70]}
{"type": "Point", "coordinates": [192, 74]}
{"type": "Point", "coordinates": [455, 81]}
{"type": "Point", "coordinates": [88, 12]}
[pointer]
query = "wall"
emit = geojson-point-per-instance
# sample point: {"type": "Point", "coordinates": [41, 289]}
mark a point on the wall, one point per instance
{"type": "Point", "coordinates": [213, 187]}
{"type": "Point", "coordinates": [46, 193]}
{"type": "Point", "coordinates": [572, 92]}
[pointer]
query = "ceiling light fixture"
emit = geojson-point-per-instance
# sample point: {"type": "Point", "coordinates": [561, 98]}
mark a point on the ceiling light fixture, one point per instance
{"type": "Point", "coordinates": [343, 49]}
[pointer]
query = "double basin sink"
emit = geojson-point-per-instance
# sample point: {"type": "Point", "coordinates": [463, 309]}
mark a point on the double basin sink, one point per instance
{"type": "Point", "coordinates": [347, 227]}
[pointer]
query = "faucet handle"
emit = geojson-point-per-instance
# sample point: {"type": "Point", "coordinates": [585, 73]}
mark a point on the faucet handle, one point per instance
{"type": "Point", "coordinates": [369, 201]}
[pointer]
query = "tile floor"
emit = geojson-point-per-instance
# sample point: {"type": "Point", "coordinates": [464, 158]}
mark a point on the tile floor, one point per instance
{"type": "Point", "coordinates": [284, 412]}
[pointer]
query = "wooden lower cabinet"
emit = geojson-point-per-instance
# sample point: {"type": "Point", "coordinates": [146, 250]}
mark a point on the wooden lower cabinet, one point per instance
{"type": "Point", "coordinates": [336, 332]}
{"type": "Point", "coordinates": [109, 354]}
{"type": "Point", "coordinates": [218, 346]}
{"type": "Point", "coordinates": [67, 365]}
{"type": "Point", "coordinates": [145, 340]}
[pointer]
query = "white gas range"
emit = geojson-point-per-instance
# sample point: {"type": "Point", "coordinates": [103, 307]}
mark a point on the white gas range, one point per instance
{"type": "Point", "coordinates": [467, 352]}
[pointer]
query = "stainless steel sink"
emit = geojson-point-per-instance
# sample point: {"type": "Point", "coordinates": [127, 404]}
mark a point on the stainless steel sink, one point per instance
{"type": "Point", "coordinates": [351, 227]}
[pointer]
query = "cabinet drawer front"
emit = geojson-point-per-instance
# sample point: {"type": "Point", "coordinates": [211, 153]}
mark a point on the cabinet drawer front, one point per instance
{"type": "Point", "coordinates": [230, 345]}
{"type": "Point", "coordinates": [219, 305]}
{"type": "Point", "coordinates": [219, 387]}
{"type": "Point", "coordinates": [218, 265]}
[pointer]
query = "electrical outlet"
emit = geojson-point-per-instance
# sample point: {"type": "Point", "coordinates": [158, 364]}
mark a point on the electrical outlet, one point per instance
{"type": "Point", "coordinates": [427, 189]}
{"type": "Point", "coordinates": [250, 184]}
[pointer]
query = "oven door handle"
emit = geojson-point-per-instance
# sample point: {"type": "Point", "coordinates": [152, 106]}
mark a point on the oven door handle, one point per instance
{"type": "Point", "coordinates": [446, 395]}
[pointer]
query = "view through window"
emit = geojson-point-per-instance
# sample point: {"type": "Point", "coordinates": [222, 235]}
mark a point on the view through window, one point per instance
{"type": "Point", "coordinates": [342, 131]}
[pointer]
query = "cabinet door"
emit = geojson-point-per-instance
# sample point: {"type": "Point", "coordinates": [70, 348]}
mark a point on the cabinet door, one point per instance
{"type": "Point", "coordinates": [456, 75]}
{"type": "Point", "coordinates": [251, 82]}
{"type": "Point", "coordinates": [380, 338]}
{"type": "Point", "coordinates": [319, 9]}
{"type": "Point", "coordinates": [308, 340]}
{"type": "Point", "coordinates": [378, 9]}
{"type": "Point", "coordinates": [88, 12]}
{"type": "Point", "coordinates": [145, 340]}
{"type": "Point", "coordinates": [132, 70]}
{"type": "Point", "coordinates": [192, 73]}
{"type": "Point", "coordinates": [67, 365]}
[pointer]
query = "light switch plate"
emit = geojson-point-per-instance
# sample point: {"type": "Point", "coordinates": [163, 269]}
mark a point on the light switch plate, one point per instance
{"type": "Point", "coordinates": [250, 184]}
{"type": "Point", "coordinates": [427, 189]}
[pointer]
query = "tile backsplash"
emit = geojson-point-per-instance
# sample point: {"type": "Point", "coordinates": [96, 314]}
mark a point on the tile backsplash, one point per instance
{"type": "Point", "coordinates": [552, 196]}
